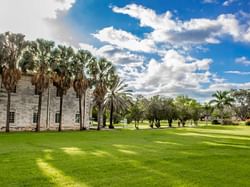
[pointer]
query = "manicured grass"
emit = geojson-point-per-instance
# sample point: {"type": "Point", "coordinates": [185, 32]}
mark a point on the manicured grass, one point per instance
{"type": "Point", "coordinates": [203, 156]}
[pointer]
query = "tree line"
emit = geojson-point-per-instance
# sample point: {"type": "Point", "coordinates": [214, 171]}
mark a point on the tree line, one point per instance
{"type": "Point", "coordinates": [226, 107]}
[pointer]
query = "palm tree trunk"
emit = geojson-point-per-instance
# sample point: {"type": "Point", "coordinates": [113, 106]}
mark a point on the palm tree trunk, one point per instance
{"type": "Point", "coordinates": [111, 114]}
{"type": "Point", "coordinates": [7, 113]}
{"type": "Point", "coordinates": [80, 111]}
{"type": "Point", "coordinates": [48, 109]}
{"type": "Point", "coordinates": [60, 122]}
{"type": "Point", "coordinates": [39, 112]}
{"type": "Point", "coordinates": [100, 116]}
{"type": "Point", "coordinates": [84, 110]}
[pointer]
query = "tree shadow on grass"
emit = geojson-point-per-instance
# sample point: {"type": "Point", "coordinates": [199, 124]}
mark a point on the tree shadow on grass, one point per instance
{"type": "Point", "coordinates": [131, 159]}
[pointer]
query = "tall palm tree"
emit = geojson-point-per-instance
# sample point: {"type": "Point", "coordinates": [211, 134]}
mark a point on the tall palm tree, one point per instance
{"type": "Point", "coordinates": [101, 72]}
{"type": "Point", "coordinates": [117, 98]}
{"type": "Point", "coordinates": [12, 47]}
{"type": "Point", "coordinates": [38, 60]}
{"type": "Point", "coordinates": [222, 99]}
{"type": "Point", "coordinates": [80, 82]}
{"type": "Point", "coordinates": [62, 73]}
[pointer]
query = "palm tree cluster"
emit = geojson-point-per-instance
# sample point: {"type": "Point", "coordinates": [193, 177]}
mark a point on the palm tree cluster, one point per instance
{"type": "Point", "coordinates": [63, 67]}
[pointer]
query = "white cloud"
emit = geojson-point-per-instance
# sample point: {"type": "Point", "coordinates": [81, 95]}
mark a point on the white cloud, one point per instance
{"type": "Point", "coordinates": [36, 19]}
{"type": "Point", "coordinates": [167, 29]}
{"type": "Point", "coordinates": [238, 72]}
{"type": "Point", "coordinates": [228, 2]}
{"type": "Point", "coordinates": [174, 74]}
{"type": "Point", "coordinates": [243, 60]}
{"type": "Point", "coordinates": [128, 64]}
{"type": "Point", "coordinates": [147, 16]}
{"type": "Point", "coordinates": [209, 1]}
{"type": "Point", "coordinates": [124, 40]}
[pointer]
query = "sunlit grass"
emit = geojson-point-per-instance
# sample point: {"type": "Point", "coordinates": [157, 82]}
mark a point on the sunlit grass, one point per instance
{"type": "Point", "coordinates": [201, 156]}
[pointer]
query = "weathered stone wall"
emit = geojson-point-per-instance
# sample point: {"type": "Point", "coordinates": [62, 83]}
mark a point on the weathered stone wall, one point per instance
{"type": "Point", "coordinates": [24, 103]}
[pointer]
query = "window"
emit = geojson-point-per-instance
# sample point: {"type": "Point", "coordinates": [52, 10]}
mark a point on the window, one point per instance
{"type": "Point", "coordinates": [35, 117]}
{"type": "Point", "coordinates": [57, 118]}
{"type": "Point", "coordinates": [77, 118]}
{"type": "Point", "coordinates": [77, 95]}
{"type": "Point", "coordinates": [12, 117]}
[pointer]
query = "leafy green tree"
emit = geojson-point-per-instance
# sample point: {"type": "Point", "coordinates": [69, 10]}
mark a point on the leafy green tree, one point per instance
{"type": "Point", "coordinates": [12, 47]}
{"type": "Point", "coordinates": [136, 113]}
{"type": "Point", "coordinates": [207, 111]}
{"type": "Point", "coordinates": [195, 110]}
{"type": "Point", "coordinates": [170, 112]}
{"type": "Point", "coordinates": [155, 111]}
{"type": "Point", "coordinates": [62, 73]}
{"type": "Point", "coordinates": [182, 104]}
{"type": "Point", "coordinates": [38, 60]}
{"type": "Point", "coordinates": [241, 105]}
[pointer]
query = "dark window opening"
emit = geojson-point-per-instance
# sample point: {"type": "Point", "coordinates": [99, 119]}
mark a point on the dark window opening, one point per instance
{"type": "Point", "coordinates": [35, 117]}
{"type": "Point", "coordinates": [57, 118]}
{"type": "Point", "coordinates": [77, 118]}
{"type": "Point", "coordinates": [12, 117]}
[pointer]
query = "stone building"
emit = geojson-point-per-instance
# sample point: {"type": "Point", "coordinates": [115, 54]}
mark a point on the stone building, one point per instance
{"type": "Point", "coordinates": [24, 105]}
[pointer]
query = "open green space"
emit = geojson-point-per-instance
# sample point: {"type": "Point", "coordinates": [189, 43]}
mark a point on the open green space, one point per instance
{"type": "Point", "coordinates": [201, 156]}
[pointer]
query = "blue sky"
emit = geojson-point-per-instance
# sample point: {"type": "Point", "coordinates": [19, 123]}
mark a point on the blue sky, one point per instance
{"type": "Point", "coordinates": [164, 47]}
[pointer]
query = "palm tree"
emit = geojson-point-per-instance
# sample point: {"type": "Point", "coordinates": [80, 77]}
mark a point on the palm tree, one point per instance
{"type": "Point", "coordinates": [222, 99]}
{"type": "Point", "coordinates": [62, 73]}
{"type": "Point", "coordinates": [37, 59]}
{"type": "Point", "coordinates": [12, 47]}
{"type": "Point", "coordinates": [81, 83]}
{"type": "Point", "coordinates": [117, 98]}
{"type": "Point", "coordinates": [101, 72]}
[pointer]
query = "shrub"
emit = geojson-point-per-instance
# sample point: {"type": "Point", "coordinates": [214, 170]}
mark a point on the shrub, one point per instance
{"type": "Point", "coordinates": [227, 122]}
{"type": "Point", "coordinates": [247, 122]}
{"type": "Point", "coordinates": [215, 122]}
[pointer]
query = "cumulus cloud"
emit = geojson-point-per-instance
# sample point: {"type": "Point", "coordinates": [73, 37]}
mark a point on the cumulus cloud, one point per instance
{"type": "Point", "coordinates": [174, 74]}
{"type": "Point", "coordinates": [243, 60]}
{"type": "Point", "coordinates": [168, 29]}
{"type": "Point", "coordinates": [172, 71]}
{"type": "Point", "coordinates": [36, 19]}
{"type": "Point", "coordinates": [128, 64]}
{"type": "Point", "coordinates": [124, 39]}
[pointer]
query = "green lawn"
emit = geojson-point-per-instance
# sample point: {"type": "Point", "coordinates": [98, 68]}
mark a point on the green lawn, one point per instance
{"type": "Point", "coordinates": [204, 156]}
